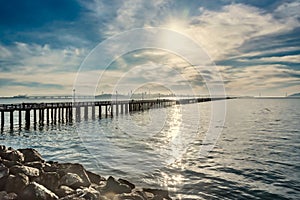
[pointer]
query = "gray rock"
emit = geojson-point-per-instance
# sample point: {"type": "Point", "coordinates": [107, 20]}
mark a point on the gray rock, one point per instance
{"type": "Point", "coordinates": [78, 169]}
{"type": "Point", "coordinates": [94, 178]}
{"type": "Point", "coordinates": [130, 196]}
{"type": "Point", "coordinates": [16, 183]}
{"type": "Point", "coordinates": [114, 186]}
{"type": "Point", "coordinates": [31, 155]}
{"type": "Point", "coordinates": [35, 191]}
{"type": "Point", "coordinates": [158, 193]}
{"type": "Point", "coordinates": [123, 181]}
{"type": "Point", "coordinates": [28, 171]}
{"type": "Point", "coordinates": [63, 191]}
{"type": "Point", "coordinates": [72, 180]}
{"type": "Point", "coordinates": [48, 179]}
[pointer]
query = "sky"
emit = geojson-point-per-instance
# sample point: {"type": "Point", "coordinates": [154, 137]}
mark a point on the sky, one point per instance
{"type": "Point", "coordinates": [248, 47]}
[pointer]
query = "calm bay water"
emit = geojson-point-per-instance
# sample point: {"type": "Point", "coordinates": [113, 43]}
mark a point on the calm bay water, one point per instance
{"type": "Point", "coordinates": [257, 155]}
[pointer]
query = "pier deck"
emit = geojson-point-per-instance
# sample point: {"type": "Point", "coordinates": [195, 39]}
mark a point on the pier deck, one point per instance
{"type": "Point", "coordinates": [66, 112]}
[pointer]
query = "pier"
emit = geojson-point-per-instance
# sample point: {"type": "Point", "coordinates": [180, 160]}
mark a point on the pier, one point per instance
{"type": "Point", "coordinates": [66, 112]}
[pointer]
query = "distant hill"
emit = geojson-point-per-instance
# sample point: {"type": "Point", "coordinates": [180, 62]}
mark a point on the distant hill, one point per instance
{"type": "Point", "coordinates": [295, 95]}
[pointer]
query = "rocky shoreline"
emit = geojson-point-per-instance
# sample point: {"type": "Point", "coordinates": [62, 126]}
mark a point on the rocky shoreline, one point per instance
{"type": "Point", "coordinates": [25, 175]}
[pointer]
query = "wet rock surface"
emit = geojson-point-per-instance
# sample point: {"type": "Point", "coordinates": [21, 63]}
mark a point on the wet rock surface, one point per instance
{"type": "Point", "coordinates": [24, 174]}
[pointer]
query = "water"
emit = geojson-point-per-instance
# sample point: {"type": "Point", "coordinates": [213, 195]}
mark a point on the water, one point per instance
{"type": "Point", "coordinates": [256, 156]}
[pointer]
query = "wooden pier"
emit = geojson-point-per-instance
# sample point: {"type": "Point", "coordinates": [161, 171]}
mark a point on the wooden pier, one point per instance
{"type": "Point", "coordinates": [40, 114]}
{"type": "Point", "coordinates": [65, 112]}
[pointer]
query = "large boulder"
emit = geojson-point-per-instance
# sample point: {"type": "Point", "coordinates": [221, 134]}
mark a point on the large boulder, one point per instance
{"type": "Point", "coordinates": [115, 187]}
{"type": "Point", "coordinates": [94, 178]}
{"type": "Point", "coordinates": [28, 171]}
{"type": "Point", "coordinates": [72, 180]}
{"type": "Point", "coordinates": [31, 155]}
{"type": "Point", "coordinates": [12, 155]}
{"type": "Point", "coordinates": [35, 191]}
{"type": "Point", "coordinates": [65, 168]}
{"type": "Point", "coordinates": [4, 172]}
{"type": "Point", "coordinates": [63, 191]}
{"type": "Point", "coordinates": [8, 196]}
{"type": "Point", "coordinates": [16, 183]}
{"type": "Point", "coordinates": [158, 193]}
{"type": "Point", "coordinates": [48, 179]}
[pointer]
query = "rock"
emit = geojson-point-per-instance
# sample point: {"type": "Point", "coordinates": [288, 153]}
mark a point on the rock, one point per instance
{"type": "Point", "coordinates": [78, 169]}
{"type": "Point", "coordinates": [35, 191]}
{"type": "Point", "coordinates": [50, 167]}
{"type": "Point", "coordinates": [16, 183]}
{"type": "Point", "coordinates": [158, 193]}
{"type": "Point", "coordinates": [9, 163]}
{"type": "Point", "coordinates": [90, 194]}
{"type": "Point", "coordinates": [2, 193]}
{"type": "Point", "coordinates": [72, 180]}
{"type": "Point", "coordinates": [48, 179]}
{"type": "Point", "coordinates": [4, 172]}
{"type": "Point", "coordinates": [31, 155]}
{"type": "Point", "coordinates": [35, 164]}
{"type": "Point", "coordinates": [131, 196]}
{"type": "Point", "coordinates": [10, 196]}
{"type": "Point", "coordinates": [28, 171]}
{"type": "Point", "coordinates": [123, 181]}
{"type": "Point", "coordinates": [114, 186]}
{"type": "Point", "coordinates": [3, 148]}
{"type": "Point", "coordinates": [12, 155]}
{"type": "Point", "coordinates": [94, 178]}
{"type": "Point", "coordinates": [63, 191]}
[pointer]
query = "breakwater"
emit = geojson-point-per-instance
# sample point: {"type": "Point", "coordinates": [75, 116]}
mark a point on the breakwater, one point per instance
{"type": "Point", "coordinates": [25, 175]}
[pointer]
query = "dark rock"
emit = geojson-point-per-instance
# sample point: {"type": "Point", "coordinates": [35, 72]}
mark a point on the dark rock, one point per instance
{"type": "Point", "coordinates": [9, 163]}
{"type": "Point", "coordinates": [72, 180]}
{"type": "Point", "coordinates": [78, 169]}
{"type": "Point", "coordinates": [35, 164]}
{"type": "Point", "coordinates": [3, 148]}
{"type": "Point", "coordinates": [35, 191]}
{"type": "Point", "coordinates": [4, 172]}
{"type": "Point", "coordinates": [12, 155]}
{"type": "Point", "coordinates": [31, 155]}
{"type": "Point", "coordinates": [131, 196]}
{"type": "Point", "coordinates": [94, 178]}
{"type": "Point", "coordinates": [9, 196]}
{"type": "Point", "coordinates": [114, 186]}
{"type": "Point", "coordinates": [63, 191]}
{"type": "Point", "coordinates": [91, 194]}
{"type": "Point", "coordinates": [2, 193]}
{"type": "Point", "coordinates": [28, 171]}
{"type": "Point", "coordinates": [50, 167]}
{"type": "Point", "coordinates": [48, 179]}
{"type": "Point", "coordinates": [158, 193]}
{"type": "Point", "coordinates": [16, 183]}
{"type": "Point", "coordinates": [123, 181]}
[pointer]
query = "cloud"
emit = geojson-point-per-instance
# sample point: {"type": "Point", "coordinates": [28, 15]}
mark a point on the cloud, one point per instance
{"type": "Point", "coordinates": [38, 68]}
{"type": "Point", "coordinates": [255, 79]}
{"type": "Point", "coordinates": [275, 59]}
{"type": "Point", "coordinates": [223, 32]}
